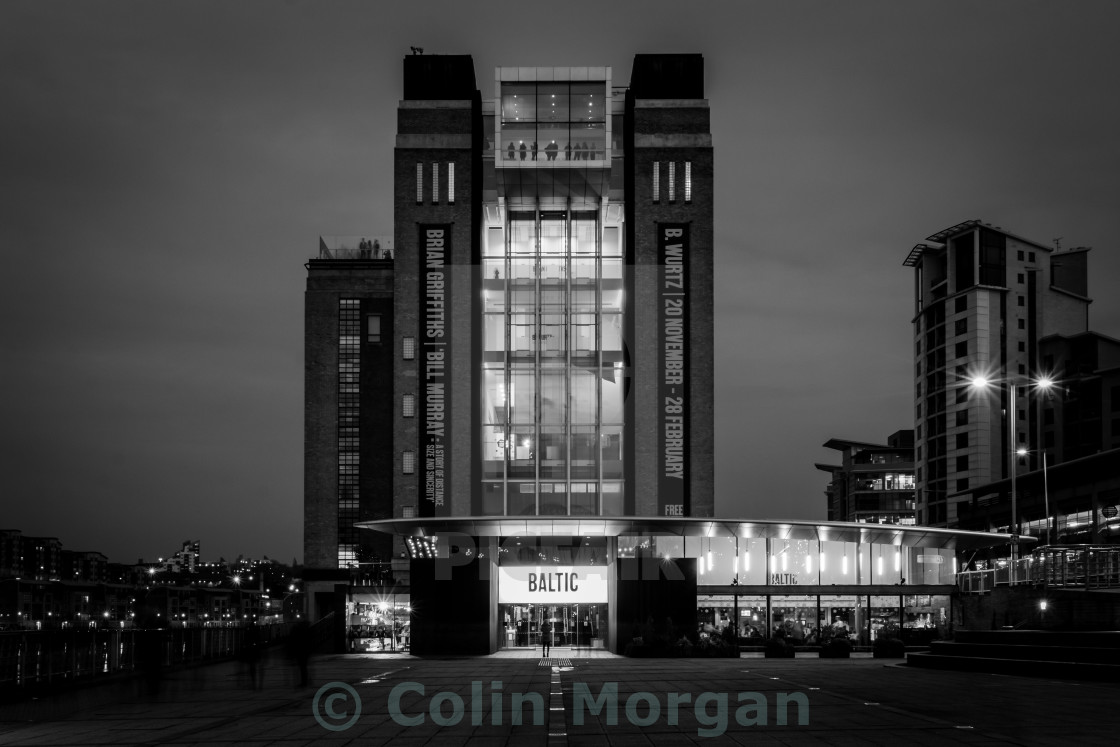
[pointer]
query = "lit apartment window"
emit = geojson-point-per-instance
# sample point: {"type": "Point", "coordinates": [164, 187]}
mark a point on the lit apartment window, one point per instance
{"type": "Point", "coordinates": [688, 181]}
{"type": "Point", "coordinates": [672, 181]}
{"type": "Point", "coordinates": [408, 462]}
{"type": "Point", "coordinates": [450, 184]}
{"type": "Point", "coordinates": [435, 183]}
{"type": "Point", "coordinates": [408, 406]}
{"type": "Point", "coordinates": [419, 183]}
{"type": "Point", "coordinates": [373, 328]}
{"type": "Point", "coordinates": [657, 181]}
{"type": "Point", "coordinates": [408, 348]}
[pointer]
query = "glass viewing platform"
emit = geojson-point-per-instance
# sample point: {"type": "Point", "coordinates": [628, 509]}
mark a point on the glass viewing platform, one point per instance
{"type": "Point", "coordinates": [356, 247]}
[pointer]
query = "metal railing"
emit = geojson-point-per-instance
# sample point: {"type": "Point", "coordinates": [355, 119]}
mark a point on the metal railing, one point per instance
{"type": "Point", "coordinates": [1054, 566]}
{"type": "Point", "coordinates": [356, 247]}
{"type": "Point", "coordinates": [38, 658]}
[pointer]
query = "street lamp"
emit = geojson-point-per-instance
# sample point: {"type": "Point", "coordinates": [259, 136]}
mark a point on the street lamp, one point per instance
{"type": "Point", "coordinates": [1045, 384]}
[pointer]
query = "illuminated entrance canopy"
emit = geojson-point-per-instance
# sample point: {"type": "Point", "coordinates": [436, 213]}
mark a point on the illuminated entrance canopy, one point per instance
{"type": "Point", "coordinates": [552, 584]}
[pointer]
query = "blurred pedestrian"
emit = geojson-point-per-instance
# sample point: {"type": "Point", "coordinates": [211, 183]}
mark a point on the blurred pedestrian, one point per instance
{"type": "Point", "coordinates": [299, 650]}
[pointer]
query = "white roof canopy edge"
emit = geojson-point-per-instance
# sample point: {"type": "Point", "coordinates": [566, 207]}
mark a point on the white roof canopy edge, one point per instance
{"type": "Point", "coordinates": [615, 526]}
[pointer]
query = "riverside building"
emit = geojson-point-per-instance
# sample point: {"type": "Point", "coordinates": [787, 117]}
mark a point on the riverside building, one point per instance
{"type": "Point", "coordinates": [509, 411]}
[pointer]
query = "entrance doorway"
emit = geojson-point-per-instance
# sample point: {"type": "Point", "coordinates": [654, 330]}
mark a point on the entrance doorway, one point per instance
{"type": "Point", "coordinates": [573, 625]}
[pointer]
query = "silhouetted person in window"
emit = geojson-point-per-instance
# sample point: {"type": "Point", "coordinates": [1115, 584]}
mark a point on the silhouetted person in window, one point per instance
{"type": "Point", "coordinates": [577, 153]}
{"type": "Point", "coordinates": [509, 151]}
{"type": "Point", "coordinates": [534, 150]}
{"type": "Point", "coordinates": [586, 152]}
{"type": "Point", "coordinates": [567, 151]}
{"type": "Point", "coordinates": [524, 150]}
{"type": "Point", "coordinates": [376, 249]}
{"type": "Point", "coordinates": [550, 150]}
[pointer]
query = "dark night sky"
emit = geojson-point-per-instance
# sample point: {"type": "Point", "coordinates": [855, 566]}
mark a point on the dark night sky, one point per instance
{"type": "Point", "coordinates": [168, 167]}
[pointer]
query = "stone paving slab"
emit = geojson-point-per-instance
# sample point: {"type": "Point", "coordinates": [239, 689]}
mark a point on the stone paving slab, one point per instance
{"type": "Point", "coordinates": [858, 701]}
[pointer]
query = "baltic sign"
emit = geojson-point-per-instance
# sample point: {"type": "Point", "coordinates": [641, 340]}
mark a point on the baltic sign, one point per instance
{"type": "Point", "coordinates": [552, 584]}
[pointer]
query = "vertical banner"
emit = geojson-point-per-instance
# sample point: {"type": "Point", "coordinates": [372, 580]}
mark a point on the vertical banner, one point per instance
{"type": "Point", "coordinates": [435, 354]}
{"type": "Point", "coordinates": [672, 385]}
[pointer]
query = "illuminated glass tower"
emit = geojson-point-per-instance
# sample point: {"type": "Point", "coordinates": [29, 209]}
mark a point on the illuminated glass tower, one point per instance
{"type": "Point", "coordinates": [554, 274]}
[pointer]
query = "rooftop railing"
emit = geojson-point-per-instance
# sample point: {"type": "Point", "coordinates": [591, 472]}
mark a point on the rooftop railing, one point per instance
{"type": "Point", "coordinates": [356, 247]}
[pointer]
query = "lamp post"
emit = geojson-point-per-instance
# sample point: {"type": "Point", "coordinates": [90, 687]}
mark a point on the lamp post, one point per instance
{"type": "Point", "coordinates": [1043, 383]}
{"type": "Point", "coordinates": [1046, 496]}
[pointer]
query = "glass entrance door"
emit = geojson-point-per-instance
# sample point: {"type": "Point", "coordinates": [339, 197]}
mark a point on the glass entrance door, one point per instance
{"type": "Point", "coordinates": [573, 625]}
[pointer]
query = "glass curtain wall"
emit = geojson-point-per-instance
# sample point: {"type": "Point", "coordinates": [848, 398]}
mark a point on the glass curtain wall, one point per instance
{"type": "Point", "coordinates": [552, 423]}
{"type": "Point", "coordinates": [553, 122]}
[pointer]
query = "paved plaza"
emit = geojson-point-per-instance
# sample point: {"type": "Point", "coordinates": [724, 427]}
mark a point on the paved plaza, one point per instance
{"type": "Point", "coordinates": [860, 701]}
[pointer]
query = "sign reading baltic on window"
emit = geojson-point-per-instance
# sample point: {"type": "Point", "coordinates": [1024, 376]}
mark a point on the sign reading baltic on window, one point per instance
{"type": "Point", "coordinates": [672, 481]}
{"type": "Point", "coordinates": [552, 584]}
{"type": "Point", "coordinates": [435, 354]}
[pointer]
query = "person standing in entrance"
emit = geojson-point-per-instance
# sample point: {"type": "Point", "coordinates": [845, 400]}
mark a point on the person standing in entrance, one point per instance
{"type": "Point", "coordinates": [546, 636]}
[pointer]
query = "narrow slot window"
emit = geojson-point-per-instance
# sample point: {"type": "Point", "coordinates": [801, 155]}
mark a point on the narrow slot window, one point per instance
{"type": "Point", "coordinates": [408, 462]}
{"type": "Point", "coordinates": [408, 348]}
{"type": "Point", "coordinates": [373, 328]}
{"type": "Point", "coordinates": [657, 181]}
{"type": "Point", "coordinates": [408, 406]}
{"type": "Point", "coordinates": [435, 183]}
{"type": "Point", "coordinates": [688, 181]}
{"type": "Point", "coordinates": [672, 181]}
{"type": "Point", "coordinates": [419, 183]}
{"type": "Point", "coordinates": [450, 184]}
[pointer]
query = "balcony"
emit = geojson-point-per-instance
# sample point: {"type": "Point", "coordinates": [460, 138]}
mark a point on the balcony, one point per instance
{"type": "Point", "coordinates": [356, 248]}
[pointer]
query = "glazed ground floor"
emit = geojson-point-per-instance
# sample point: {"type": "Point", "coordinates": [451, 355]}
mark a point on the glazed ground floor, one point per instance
{"type": "Point", "coordinates": [382, 619]}
{"type": "Point", "coordinates": [476, 585]}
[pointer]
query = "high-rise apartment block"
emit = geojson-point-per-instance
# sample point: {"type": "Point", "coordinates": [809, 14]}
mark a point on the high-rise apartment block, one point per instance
{"type": "Point", "coordinates": [985, 300]}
